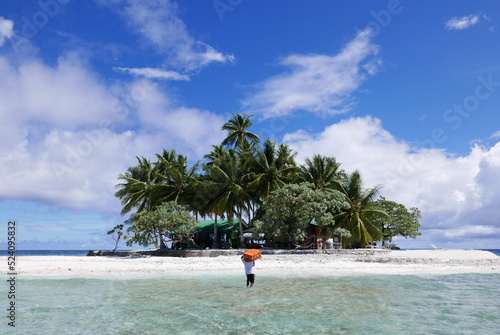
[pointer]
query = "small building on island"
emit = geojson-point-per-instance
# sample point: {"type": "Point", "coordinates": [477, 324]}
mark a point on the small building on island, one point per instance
{"type": "Point", "coordinates": [227, 233]}
{"type": "Point", "coordinates": [228, 237]}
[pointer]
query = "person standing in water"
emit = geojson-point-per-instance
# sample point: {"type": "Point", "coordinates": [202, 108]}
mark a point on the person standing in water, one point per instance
{"type": "Point", "coordinates": [249, 271]}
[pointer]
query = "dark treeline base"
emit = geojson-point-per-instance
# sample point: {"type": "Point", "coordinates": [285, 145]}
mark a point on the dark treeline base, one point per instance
{"type": "Point", "coordinates": [231, 252]}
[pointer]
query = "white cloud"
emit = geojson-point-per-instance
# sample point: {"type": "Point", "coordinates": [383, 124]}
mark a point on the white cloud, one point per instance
{"type": "Point", "coordinates": [66, 135]}
{"type": "Point", "coordinates": [460, 23]}
{"type": "Point", "coordinates": [151, 73]}
{"type": "Point", "coordinates": [473, 231]}
{"type": "Point", "coordinates": [6, 30]}
{"type": "Point", "coordinates": [495, 134]}
{"type": "Point", "coordinates": [158, 22]}
{"type": "Point", "coordinates": [67, 95]}
{"type": "Point", "coordinates": [320, 84]}
{"type": "Point", "coordinates": [458, 196]}
{"type": "Point", "coordinates": [192, 129]}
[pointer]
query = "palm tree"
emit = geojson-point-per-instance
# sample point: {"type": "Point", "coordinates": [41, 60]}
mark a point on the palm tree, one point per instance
{"type": "Point", "coordinates": [321, 171]}
{"type": "Point", "coordinates": [138, 187]}
{"type": "Point", "coordinates": [139, 190]}
{"type": "Point", "coordinates": [206, 188]}
{"type": "Point", "coordinates": [216, 154]}
{"type": "Point", "coordinates": [357, 218]}
{"type": "Point", "coordinates": [238, 134]}
{"type": "Point", "coordinates": [227, 182]}
{"type": "Point", "coordinates": [272, 168]}
{"type": "Point", "coordinates": [175, 177]}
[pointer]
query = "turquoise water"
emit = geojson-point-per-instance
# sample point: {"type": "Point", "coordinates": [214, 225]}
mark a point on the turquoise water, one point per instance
{"type": "Point", "coordinates": [374, 304]}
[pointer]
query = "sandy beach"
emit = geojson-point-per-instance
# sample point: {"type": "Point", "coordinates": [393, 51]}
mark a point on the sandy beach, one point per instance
{"type": "Point", "coordinates": [377, 262]}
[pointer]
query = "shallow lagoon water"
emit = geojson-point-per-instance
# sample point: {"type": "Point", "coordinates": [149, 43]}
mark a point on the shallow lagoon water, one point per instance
{"type": "Point", "coordinates": [372, 304]}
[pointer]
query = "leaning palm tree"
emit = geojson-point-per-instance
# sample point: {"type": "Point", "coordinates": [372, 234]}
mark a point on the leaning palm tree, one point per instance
{"type": "Point", "coordinates": [321, 171]}
{"type": "Point", "coordinates": [238, 135]}
{"type": "Point", "coordinates": [271, 169]}
{"type": "Point", "coordinates": [357, 217]}
{"type": "Point", "coordinates": [137, 189]}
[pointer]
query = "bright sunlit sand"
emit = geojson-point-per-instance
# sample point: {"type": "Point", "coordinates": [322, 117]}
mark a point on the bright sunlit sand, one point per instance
{"type": "Point", "coordinates": [379, 262]}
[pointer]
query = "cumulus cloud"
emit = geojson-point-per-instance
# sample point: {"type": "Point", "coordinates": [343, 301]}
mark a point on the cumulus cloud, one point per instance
{"type": "Point", "coordinates": [320, 84]}
{"type": "Point", "coordinates": [152, 73]}
{"type": "Point", "coordinates": [6, 30]}
{"type": "Point", "coordinates": [458, 196]}
{"type": "Point", "coordinates": [67, 95]}
{"type": "Point", "coordinates": [158, 22]}
{"type": "Point", "coordinates": [66, 134]}
{"type": "Point", "coordinates": [193, 130]}
{"type": "Point", "coordinates": [460, 23]}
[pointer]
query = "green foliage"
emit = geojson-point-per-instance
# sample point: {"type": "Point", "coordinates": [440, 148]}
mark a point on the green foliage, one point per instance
{"type": "Point", "coordinates": [322, 171]}
{"type": "Point", "coordinates": [226, 179]}
{"type": "Point", "coordinates": [290, 209]}
{"type": "Point", "coordinates": [344, 233]}
{"type": "Point", "coordinates": [175, 177]}
{"type": "Point", "coordinates": [137, 187]}
{"type": "Point", "coordinates": [168, 221]}
{"type": "Point", "coordinates": [118, 229]}
{"type": "Point", "coordinates": [271, 168]}
{"type": "Point", "coordinates": [402, 221]}
{"type": "Point", "coordinates": [242, 177]}
{"type": "Point", "coordinates": [358, 216]}
{"type": "Point", "coordinates": [238, 136]}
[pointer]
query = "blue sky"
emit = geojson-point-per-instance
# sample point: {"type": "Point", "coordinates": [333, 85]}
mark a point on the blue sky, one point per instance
{"type": "Point", "coordinates": [408, 92]}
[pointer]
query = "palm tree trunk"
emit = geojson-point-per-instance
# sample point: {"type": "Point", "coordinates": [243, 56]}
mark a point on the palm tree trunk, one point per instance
{"type": "Point", "coordinates": [215, 244]}
{"type": "Point", "coordinates": [240, 223]}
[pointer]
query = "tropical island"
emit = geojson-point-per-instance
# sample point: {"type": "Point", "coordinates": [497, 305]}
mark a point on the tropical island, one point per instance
{"type": "Point", "coordinates": [254, 195]}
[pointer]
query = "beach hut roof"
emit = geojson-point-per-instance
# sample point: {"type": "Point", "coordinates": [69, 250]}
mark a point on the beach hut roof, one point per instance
{"type": "Point", "coordinates": [223, 226]}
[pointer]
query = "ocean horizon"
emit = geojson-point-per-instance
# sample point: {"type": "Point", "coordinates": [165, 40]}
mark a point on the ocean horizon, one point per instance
{"type": "Point", "coordinates": [81, 252]}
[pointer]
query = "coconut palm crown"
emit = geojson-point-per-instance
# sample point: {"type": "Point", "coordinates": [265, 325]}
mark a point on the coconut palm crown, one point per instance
{"type": "Point", "coordinates": [321, 171]}
{"type": "Point", "coordinates": [357, 217]}
{"type": "Point", "coordinates": [137, 189]}
{"type": "Point", "coordinates": [238, 135]}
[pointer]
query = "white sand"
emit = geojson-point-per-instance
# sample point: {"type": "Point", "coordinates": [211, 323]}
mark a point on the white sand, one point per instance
{"type": "Point", "coordinates": [381, 262]}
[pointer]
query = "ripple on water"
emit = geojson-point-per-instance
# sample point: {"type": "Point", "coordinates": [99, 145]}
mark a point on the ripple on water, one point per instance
{"type": "Point", "coordinates": [372, 304]}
